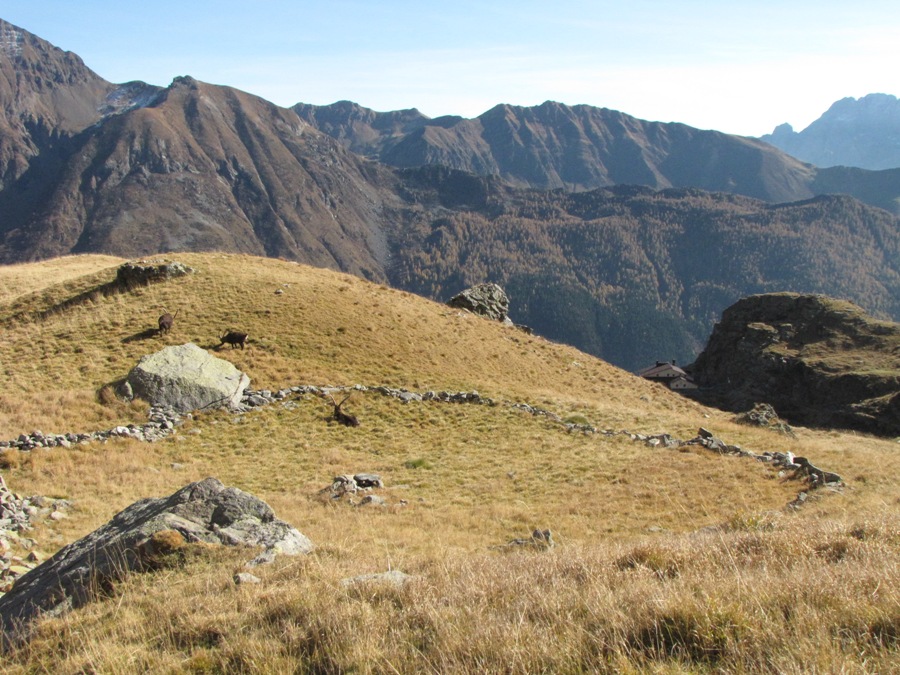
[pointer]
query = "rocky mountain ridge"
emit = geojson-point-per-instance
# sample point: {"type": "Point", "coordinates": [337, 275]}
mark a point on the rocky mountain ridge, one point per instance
{"type": "Point", "coordinates": [555, 146]}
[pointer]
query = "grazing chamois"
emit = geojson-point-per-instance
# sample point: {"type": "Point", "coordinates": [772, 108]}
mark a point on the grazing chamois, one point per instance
{"type": "Point", "coordinates": [166, 321]}
{"type": "Point", "coordinates": [340, 416]}
{"type": "Point", "coordinates": [233, 338]}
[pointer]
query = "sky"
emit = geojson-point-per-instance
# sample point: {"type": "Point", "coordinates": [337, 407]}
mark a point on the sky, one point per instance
{"type": "Point", "coordinates": [737, 67]}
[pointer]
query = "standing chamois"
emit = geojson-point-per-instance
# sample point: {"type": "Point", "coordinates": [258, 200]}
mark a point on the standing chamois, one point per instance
{"type": "Point", "coordinates": [340, 416]}
{"type": "Point", "coordinates": [166, 321]}
{"type": "Point", "coordinates": [233, 338]}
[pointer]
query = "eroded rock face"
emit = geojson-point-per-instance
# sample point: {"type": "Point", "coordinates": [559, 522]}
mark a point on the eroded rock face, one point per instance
{"type": "Point", "coordinates": [205, 511]}
{"type": "Point", "coordinates": [817, 360]}
{"type": "Point", "coordinates": [487, 300]}
{"type": "Point", "coordinates": [186, 377]}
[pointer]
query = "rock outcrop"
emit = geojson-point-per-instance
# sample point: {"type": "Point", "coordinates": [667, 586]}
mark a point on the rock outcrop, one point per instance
{"type": "Point", "coordinates": [487, 300]}
{"type": "Point", "coordinates": [817, 360]}
{"type": "Point", "coordinates": [143, 272]}
{"type": "Point", "coordinates": [186, 377]}
{"type": "Point", "coordinates": [205, 511]}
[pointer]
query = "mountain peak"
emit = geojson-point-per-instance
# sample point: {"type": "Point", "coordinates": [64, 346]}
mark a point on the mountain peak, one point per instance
{"type": "Point", "coordinates": [862, 133]}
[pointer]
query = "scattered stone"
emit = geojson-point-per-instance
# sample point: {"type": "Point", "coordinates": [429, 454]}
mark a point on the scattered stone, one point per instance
{"type": "Point", "coordinates": [246, 578]}
{"type": "Point", "coordinates": [267, 557]}
{"type": "Point", "coordinates": [18, 515]}
{"type": "Point", "coordinates": [372, 500]}
{"type": "Point", "coordinates": [816, 477]}
{"type": "Point", "coordinates": [351, 485]}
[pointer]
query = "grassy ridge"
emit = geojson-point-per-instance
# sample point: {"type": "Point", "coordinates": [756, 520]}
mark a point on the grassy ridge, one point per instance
{"type": "Point", "coordinates": [629, 585]}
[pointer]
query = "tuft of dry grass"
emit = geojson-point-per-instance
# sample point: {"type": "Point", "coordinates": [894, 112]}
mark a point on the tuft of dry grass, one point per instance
{"type": "Point", "coordinates": [666, 561]}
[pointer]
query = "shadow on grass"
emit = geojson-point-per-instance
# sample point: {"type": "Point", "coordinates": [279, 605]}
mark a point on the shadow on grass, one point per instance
{"type": "Point", "coordinates": [145, 334]}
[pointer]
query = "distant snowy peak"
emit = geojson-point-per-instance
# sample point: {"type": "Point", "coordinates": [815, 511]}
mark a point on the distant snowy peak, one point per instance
{"type": "Point", "coordinates": [862, 133]}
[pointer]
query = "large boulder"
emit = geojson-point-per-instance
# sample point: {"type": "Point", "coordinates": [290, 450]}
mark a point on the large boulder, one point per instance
{"type": "Point", "coordinates": [487, 300]}
{"type": "Point", "coordinates": [186, 377]}
{"type": "Point", "coordinates": [143, 272]}
{"type": "Point", "coordinates": [205, 511]}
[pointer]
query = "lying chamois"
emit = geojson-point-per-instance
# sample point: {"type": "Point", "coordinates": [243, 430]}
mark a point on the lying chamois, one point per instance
{"type": "Point", "coordinates": [340, 416]}
{"type": "Point", "coordinates": [166, 321]}
{"type": "Point", "coordinates": [233, 338]}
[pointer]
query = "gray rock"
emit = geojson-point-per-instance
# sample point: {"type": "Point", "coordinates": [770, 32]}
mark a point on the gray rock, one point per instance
{"type": "Point", "coordinates": [368, 480]}
{"type": "Point", "coordinates": [487, 300]}
{"type": "Point", "coordinates": [372, 500]}
{"type": "Point", "coordinates": [205, 511]}
{"type": "Point", "coordinates": [246, 578]}
{"type": "Point", "coordinates": [186, 377]}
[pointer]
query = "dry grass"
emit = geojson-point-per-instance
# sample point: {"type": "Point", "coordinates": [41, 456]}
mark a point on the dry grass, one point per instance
{"type": "Point", "coordinates": [631, 585]}
{"type": "Point", "coordinates": [748, 601]}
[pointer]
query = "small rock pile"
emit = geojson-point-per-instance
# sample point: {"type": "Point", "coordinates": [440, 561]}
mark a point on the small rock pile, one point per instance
{"type": "Point", "coordinates": [764, 415]}
{"type": "Point", "coordinates": [17, 515]}
{"type": "Point", "coordinates": [349, 487]}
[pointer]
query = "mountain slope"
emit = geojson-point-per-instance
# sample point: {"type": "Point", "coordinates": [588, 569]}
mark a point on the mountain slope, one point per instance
{"type": "Point", "coordinates": [632, 274]}
{"type": "Point", "coordinates": [135, 170]}
{"type": "Point", "coordinates": [863, 133]}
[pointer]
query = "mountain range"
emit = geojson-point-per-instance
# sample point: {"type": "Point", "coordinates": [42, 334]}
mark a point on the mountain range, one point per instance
{"type": "Point", "coordinates": [573, 148]}
{"type": "Point", "coordinates": [623, 237]}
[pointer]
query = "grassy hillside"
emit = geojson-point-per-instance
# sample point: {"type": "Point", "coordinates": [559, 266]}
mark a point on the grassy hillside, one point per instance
{"type": "Point", "coordinates": [631, 583]}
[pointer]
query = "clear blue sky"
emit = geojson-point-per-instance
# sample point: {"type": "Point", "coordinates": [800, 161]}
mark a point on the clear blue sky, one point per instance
{"type": "Point", "coordinates": [738, 67]}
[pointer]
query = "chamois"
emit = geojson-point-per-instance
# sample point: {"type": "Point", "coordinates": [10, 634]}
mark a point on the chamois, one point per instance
{"type": "Point", "coordinates": [233, 338]}
{"type": "Point", "coordinates": [340, 416]}
{"type": "Point", "coordinates": [166, 322]}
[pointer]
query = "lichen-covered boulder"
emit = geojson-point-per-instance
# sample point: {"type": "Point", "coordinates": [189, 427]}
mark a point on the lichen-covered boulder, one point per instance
{"type": "Point", "coordinates": [186, 377]}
